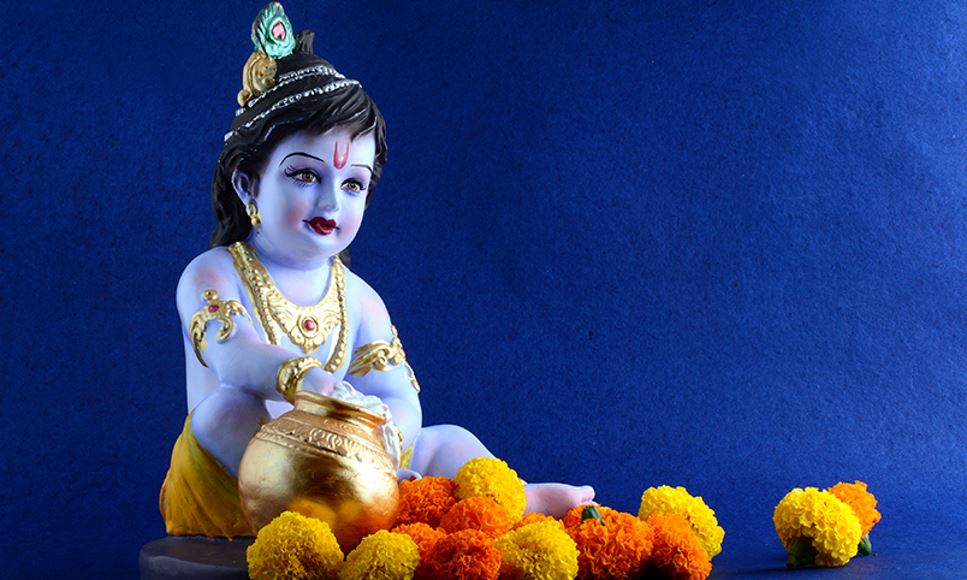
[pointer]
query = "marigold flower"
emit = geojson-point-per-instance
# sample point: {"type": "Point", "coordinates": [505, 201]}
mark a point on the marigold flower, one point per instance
{"type": "Point", "coordinates": [425, 500]}
{"type": "Point", "coordinates": [294, 546]}
{"type": "Point", "coordinates": [862, 502]}
{"type": "Point", "coordinates": [476, 513]}
{"type": "Point", "coordinates": [538, 551]}
{"type": "Point", "coordinates": [492, 478]}
{"type": "Point", "coordinates": [617, 546]}
{"type": "Point", "coordinates": [534, 517]}
{"type": "Point", "coordinates": [678, 552]}
{"type": "Point", "coordinates": [425, 536]}
{"type": "Point", "coordinates": [382, 556]}
{"type": "Point", "coordinates": [677, 500]}
{"type": "Point", "coordinates": [575, 515]}
{"type": "Point", "coordinates": [463, 555]}
{"type": "Point", "coordinates": [817, 528]}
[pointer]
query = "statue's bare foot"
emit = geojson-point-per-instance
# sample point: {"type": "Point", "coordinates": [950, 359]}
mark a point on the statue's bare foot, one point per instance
{"type": "Point", "coordinates": [554, 499]}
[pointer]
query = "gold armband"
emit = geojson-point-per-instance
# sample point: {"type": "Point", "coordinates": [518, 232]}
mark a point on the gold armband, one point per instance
{"type": "Point", "coordinates": [380, 355]}
{"type": "Point", "coordinates": [291, 374]}
{"type": "Point", "coordinates": [214, 309]}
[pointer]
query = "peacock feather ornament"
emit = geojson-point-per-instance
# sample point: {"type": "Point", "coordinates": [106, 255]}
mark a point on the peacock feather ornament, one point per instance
{"type": "Point", "coordinates": [273, 39]}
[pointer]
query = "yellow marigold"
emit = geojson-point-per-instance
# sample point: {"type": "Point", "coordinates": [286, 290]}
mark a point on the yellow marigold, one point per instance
{"type": "Point", "coordinates": [492, 478]}
{"type": "Point", "coordinates": [476, 513]}
{"type": "Point", "coordinates": [678, 552]}
{"type": "Point", "coordinates": [534, 517]}
{"type": "Point", "coordinates": [617, 548]}
{"type": "Point", "coordinates": [862, 502]}
{"type": "Point", "coordinates": [815, 525]}
{"type": "Point", "coordinates": [677, 500]}
{"type": "Point", "coordinates": [425, 536]}
{"type": "Point", "coordinates": [425, 500]}
{"type": "Point", "coordinates": [382, 556]}
{"type": "Point", "coordinates": [294, 546]}
{"type": "Point", "coordinates": [538, 551]}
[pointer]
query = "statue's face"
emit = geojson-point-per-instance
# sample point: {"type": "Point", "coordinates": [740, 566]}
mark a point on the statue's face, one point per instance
{"type": "Point", "coordinates": [312, 193]}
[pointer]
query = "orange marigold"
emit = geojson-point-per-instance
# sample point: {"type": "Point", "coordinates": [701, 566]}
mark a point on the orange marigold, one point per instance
{"type": "Point", "coordinates": [862, 502]}
{"type": "Point", "coordinates": [618, 548]}
{"type": "Point", "coordinates": [573, 516]}
{"type": "Point", "coordinates": [425, 536]}
{"type": "Point", "coordinates": [477, 513]}
{"type": "Point", "coordinates": [677, 553]}
{"type": "Point", "coordinates": [464, 555]}
{"type": "Point", "coordinates": [425, 500]}
{"type": "Point", "coordinates": [533, 518]}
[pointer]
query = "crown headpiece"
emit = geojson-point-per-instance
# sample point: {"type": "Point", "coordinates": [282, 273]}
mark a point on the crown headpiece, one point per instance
{"type": "Point", "coordinates": [277, 50]}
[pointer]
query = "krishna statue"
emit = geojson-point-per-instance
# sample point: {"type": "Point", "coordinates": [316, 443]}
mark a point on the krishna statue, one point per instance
{"type": "Point", "coordinates": [272, 316]}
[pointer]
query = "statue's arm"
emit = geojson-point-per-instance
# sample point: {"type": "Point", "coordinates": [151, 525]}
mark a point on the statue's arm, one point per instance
{"type": "Point", "coordinates": [393, 382]}
{"type": "Point", "coordinates": [241, 360]}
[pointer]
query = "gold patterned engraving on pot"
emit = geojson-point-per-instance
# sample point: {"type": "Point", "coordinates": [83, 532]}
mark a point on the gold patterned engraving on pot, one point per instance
{"type": "Point", "coordinates": [324, 459]}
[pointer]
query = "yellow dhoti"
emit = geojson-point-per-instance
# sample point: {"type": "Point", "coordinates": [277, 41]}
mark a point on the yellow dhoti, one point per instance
{"type": "Point", "coordinates": [199, 496]}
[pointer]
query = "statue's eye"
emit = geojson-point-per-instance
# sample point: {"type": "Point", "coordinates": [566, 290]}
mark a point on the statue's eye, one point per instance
{"type": "Point", "coordinates": [304, 176]}
{"type": "Point", "coordinates": [354, 185]}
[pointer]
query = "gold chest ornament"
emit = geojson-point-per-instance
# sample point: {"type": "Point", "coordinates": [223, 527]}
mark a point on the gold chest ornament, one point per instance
{"type": "Point", "coordinates": [307, 327]}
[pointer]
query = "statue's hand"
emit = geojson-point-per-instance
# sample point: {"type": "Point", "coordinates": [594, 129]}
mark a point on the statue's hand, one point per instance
{"type": "Point", "coordinates": [318, 381]}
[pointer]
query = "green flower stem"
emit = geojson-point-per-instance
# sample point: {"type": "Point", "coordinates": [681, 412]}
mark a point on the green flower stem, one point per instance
{"type": "Point", "coordinates": [591, 512]}
{"type": "Point", "coordinates": [866, 547]}
{"type": "Point", "coordinates": [801, 553]}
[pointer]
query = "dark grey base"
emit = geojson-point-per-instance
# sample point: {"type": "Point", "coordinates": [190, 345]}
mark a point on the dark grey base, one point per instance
{"type": "Point", "coordinates": [188, 557]}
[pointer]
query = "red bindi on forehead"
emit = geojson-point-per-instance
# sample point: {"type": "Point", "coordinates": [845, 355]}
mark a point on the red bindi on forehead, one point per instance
{"type": "Point", "coordinates": [337, 161]}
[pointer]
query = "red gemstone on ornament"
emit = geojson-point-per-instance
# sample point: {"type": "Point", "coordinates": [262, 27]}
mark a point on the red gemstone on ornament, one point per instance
{"type": "Point", "coordinates": [213, 308]}
{"type": "Point", "coordinates": [278, 31]}
{"type": "Point", "coordinates": [309, 324]}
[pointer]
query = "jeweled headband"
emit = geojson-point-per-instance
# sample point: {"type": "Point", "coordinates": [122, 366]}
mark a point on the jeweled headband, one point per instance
{"type": "Point", "coordinates": [281, 71]}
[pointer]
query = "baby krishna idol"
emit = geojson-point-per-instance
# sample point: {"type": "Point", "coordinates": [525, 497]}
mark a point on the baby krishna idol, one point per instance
{"type": "Point", "coordinates": [272, 312]}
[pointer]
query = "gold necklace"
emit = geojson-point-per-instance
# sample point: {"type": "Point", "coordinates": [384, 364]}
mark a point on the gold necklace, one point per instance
{"type": "Point", "coordinates": [306, 326]}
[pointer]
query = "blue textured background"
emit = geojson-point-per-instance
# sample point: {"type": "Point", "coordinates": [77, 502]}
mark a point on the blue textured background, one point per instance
{"type": "Point", "coordinates": [713, 244]}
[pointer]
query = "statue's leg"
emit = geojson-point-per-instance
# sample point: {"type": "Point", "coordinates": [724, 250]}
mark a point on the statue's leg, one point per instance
{"type": "Point", "coordinates": [224, 423]}
{"type": "Point", "coordinates": [441, 450]}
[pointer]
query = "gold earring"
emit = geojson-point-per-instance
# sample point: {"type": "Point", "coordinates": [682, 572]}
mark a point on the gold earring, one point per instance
{"type": "Point", "coordinates": [253, 214]}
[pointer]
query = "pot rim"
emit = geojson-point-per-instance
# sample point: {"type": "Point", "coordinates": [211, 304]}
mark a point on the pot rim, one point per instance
{"type": "Point", "coordinates": [338, 405]}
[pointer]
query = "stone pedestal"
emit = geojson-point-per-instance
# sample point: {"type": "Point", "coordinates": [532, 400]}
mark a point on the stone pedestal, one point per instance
{"type": "Point", "coordinates": [189, 557]}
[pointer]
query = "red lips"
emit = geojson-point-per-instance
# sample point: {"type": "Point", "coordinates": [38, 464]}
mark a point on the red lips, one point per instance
{"type": "Point", "coordinates": [321, 225]}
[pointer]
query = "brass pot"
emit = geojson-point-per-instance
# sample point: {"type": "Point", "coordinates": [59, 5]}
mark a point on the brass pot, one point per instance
{"type": "Point", "coordinates": [324, 459]}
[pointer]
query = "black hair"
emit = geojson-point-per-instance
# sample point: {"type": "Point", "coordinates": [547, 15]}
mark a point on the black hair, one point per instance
{"type": "Point", "coordinates": [258, 129]}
